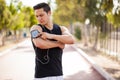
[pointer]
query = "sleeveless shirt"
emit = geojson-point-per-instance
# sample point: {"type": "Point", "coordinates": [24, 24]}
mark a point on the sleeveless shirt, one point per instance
{"type": "Point", "coordinates": [54, 65]}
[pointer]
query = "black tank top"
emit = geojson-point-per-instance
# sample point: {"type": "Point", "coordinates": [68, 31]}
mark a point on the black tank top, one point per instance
{"type": "Point", "coordinates": [53, 63]}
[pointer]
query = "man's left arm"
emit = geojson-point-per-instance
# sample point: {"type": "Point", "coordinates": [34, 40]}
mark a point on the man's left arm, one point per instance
{"type": "Point", "coordinates": [65, 38]}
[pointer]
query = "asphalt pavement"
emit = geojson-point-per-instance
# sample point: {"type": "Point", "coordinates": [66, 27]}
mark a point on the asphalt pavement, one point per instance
{"type": "Point", "coordinates": [18, 62]}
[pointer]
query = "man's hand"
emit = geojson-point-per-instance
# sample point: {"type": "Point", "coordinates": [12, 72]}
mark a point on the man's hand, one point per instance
{"type": "Point", "coordinates": [61, 45]}
{"type": "Point", "coordinates": [46, 35]}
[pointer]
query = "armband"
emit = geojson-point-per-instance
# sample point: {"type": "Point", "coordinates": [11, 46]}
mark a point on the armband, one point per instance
{"type": "Point", "coordinates": [35, 34]}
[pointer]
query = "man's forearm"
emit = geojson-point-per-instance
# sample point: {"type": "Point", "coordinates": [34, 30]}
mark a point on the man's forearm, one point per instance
{"type": "Point", "coordinates": [45, 44]}
{"type": "Point", "coordinates": [66, 39]}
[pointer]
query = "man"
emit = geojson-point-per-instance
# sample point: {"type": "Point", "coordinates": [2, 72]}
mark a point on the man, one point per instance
{"type": "Point", "coordinates": [48, 41]}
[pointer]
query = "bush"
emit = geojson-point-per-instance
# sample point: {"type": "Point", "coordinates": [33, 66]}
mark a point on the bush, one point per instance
{"type": "Point", "coordinates": [78, 33]}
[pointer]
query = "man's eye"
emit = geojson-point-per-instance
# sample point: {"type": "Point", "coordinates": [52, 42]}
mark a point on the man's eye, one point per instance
{"type": "Point", "coordinates": [36, 16]}
{"type": "Point", "coordinates": [39, 15]}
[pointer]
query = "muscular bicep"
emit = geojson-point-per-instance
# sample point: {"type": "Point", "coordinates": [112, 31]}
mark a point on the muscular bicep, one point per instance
{"type": "Point", "coordinates": [39, 29]}
{"type": "Point", "coordinates": [65, 31]}
{"type": "Point", "coordinates": [36, 27]}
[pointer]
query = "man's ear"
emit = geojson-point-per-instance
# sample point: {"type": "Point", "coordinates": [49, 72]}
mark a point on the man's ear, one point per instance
{"type": "Point", "coordinates": [49, 13]}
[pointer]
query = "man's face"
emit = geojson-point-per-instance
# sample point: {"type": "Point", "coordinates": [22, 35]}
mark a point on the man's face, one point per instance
{"type": "Point", "coordinates": [42, 16]}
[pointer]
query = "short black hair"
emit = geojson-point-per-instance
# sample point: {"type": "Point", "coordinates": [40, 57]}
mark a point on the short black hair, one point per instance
{"type": "Point", "coordinates": [45, 7]}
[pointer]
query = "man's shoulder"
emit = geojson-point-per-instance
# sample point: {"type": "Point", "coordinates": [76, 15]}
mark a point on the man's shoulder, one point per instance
{"type": "Point", "coordinates": [60, 26]}
{"type": "Point", "coordinates": [36, 26]}
{"type": "Point", "coordinates": [56, 25]}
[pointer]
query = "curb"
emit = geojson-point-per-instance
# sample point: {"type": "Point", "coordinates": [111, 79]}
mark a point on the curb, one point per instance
{"type": "Point", "coordinates": [95, 66]}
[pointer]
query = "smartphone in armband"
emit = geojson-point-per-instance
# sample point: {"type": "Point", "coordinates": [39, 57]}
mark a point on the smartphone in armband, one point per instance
{"type": "Point", "coordinates": [35, 34]}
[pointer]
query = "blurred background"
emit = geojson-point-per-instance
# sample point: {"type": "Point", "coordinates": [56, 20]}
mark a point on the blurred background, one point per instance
{"type": "Point", "coordinates": [94, 23]}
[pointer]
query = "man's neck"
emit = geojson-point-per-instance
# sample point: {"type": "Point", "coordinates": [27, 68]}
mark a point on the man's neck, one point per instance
{"type": "Point", "coordinates": [49, 26]}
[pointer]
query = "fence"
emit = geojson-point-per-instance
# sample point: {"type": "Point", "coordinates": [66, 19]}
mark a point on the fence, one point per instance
{"type": "Point", "coordinates": [111, 44]}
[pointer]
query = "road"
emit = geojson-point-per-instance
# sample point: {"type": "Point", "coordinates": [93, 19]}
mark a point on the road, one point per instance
{"type": "Point", "coordinates": [18, 64]}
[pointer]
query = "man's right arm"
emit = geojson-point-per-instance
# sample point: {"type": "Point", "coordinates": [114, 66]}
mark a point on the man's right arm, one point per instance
{"type": "Point", "coordinates": [45, 44]}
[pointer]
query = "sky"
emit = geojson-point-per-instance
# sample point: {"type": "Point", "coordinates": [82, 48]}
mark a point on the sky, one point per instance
{"type": "Point", "coordinates": [31, 3]}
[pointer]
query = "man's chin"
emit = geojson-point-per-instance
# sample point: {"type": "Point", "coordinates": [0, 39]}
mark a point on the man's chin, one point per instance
{"type": "Point", "coordinates": [42, 23]}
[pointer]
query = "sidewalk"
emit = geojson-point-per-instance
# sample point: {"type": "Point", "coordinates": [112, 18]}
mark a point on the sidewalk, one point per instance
{"type": "Point", "coordinates": [76, 67]}
{"type": "Point", "coordinates": [9, 46]}
{"type": "Point", "coordinates": [110, 66]}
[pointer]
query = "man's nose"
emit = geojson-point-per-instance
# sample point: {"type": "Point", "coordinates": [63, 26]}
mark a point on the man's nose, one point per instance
{"type": "Point", "coordinates": [39, 18]}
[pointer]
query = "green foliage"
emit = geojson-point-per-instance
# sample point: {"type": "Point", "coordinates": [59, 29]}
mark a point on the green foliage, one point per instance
{"type": "Point", "coordinates": [113, 19]}
{"type": "Point", "coordinates": [78, 33]}
{"type": "Point", "coordinates": [99, 12]}
{"type": "Point", "coordinates": [29, 17]}
{"type": "Point", "coordinates": [18, 22]}
{"type": "Point", "coordinates": [66, 13]}
{"type": "Point", "coordinates": [106, 5]}
{"type": "Point", "coordinates": [6, 19]}
{"type": "Point", "coordinates": [2, 11]}
{"type": "Point", "coordinates": [15, 16]}
{"type": "Point", "coordinates": [79, 10]}
{"type": "Point", "coordinates": [12, 8]}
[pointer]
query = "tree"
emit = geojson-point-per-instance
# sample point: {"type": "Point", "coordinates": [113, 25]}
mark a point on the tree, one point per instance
{"type": "Point", "coordinates": [65, 13]}
{"type": "Point", "coordinates": [22, 17]}
{"type": "Point", "coordinates": [113, 14]}
{"type": "Point", "coordinates": [29, 17]}
{"type": "Point", "coordinates": [2, 11]}
{"type": "Point", "coordinates": [4, 20]}
{"type": "Point", "coordinates": [99, 12]}
{"type": "Point", "coordinates": [16, 22]}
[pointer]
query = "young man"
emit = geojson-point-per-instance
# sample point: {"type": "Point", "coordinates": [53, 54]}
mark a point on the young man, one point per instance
{"type": "Point", "coordinates": [48, 41]}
